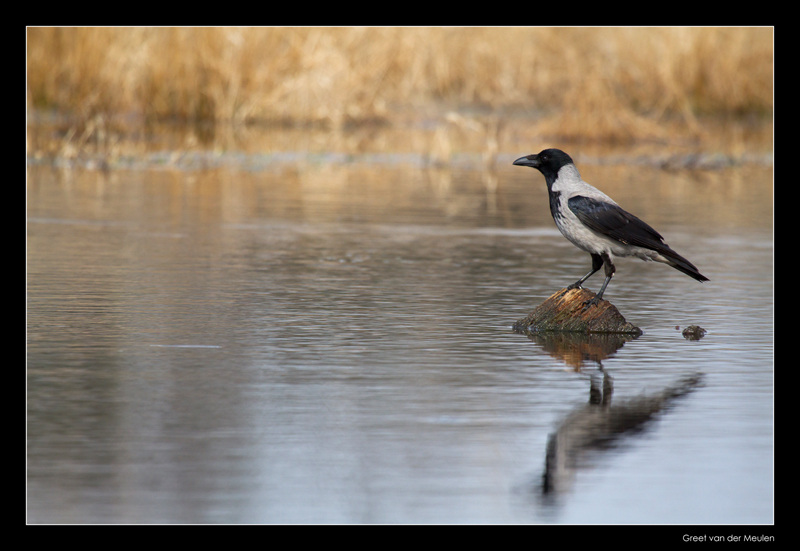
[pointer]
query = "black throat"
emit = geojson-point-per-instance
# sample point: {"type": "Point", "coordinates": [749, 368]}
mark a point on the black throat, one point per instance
{"type": "Point", "coordinates": [550, 177]}
{"type": "Point", "coordinates": [554, 201]}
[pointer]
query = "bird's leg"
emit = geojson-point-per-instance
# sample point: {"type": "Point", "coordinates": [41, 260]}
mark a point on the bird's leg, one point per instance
{"type": "Point", "coordinates": [610, 269]}
{"type": "Point", "coordinates": [597, 263]}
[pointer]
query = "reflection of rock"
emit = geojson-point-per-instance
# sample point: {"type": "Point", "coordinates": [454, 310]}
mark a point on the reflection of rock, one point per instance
{"type": "Point", "coordinates": [564, 311]}
{"type": "Point", "coordinates": [598, 426]}
{"type": "Point", "coordinates": [576, 349]}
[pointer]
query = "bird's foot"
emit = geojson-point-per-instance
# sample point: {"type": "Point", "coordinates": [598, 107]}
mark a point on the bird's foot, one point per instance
{"type": "Point", "coordinates": [591, 302]}
{"type": "Point", "coordinates": [571, 287]}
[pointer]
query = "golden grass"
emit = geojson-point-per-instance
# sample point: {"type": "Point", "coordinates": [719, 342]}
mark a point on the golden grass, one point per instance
{"type": "Point", "coordinates": [575, 83]}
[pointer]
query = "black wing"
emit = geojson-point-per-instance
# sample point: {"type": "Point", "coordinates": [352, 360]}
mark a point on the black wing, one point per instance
{"type": "Point", "coordinates": [614, 222]}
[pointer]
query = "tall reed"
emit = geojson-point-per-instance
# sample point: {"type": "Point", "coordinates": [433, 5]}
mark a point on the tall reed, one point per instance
{"type": "Point", "coordinates": [596, 83]}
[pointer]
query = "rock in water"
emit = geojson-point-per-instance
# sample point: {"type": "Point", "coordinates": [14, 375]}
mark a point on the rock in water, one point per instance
{"type": "Point", "coordinates": [564, 311]}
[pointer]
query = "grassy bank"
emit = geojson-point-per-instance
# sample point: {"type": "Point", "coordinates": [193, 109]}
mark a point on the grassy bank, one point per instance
{"type": "Point", "coordinates": [576, 83]}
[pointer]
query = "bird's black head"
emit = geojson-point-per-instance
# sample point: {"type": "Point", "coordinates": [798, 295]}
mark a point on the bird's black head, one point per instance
{"type": "Point", "coordinates": [548, 162]}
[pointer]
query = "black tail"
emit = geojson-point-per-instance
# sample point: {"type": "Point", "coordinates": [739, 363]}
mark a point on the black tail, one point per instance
{"type": "Point", "coordinates": [681, 264]}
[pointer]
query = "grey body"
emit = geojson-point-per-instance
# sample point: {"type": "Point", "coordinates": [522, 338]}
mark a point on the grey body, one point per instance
{"type": "Point", "coordinates": [593, 222]}
{"type": "Point", "coordinates": [569, 185]}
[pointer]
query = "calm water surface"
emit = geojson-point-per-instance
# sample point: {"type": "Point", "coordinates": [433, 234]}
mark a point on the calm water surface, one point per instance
{"type": "Point", "coordinates": [332, 344]}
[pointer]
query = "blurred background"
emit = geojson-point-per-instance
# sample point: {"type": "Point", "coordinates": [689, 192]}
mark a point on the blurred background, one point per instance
{"type": "Point", "coordinates": [112, 92]}
{"type": "Point", "coordinates": [272, 273]}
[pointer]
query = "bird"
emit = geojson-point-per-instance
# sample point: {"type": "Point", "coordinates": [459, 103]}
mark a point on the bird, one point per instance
{"type": "Point", "coordinates": [596, 224]}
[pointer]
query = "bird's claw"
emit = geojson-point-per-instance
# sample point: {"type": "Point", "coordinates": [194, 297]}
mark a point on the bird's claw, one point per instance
{"type": "Point", "coordinates": [571, 287]}
{"type": "Point", "coordinates": [591, 302]}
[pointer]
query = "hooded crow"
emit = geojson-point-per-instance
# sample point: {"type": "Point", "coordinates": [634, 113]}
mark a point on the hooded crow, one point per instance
{"type": "Point", "coordinates": [594, 223]}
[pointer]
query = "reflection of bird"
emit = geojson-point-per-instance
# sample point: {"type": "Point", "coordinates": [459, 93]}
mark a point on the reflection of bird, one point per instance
{"type": "Point", "coordinates": [594, 223]}
{"type": "Point", "coordinates": [600, 425]}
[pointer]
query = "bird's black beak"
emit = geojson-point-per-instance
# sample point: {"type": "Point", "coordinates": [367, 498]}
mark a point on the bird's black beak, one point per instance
{"type": "Point", "coordinates": [529, 160]}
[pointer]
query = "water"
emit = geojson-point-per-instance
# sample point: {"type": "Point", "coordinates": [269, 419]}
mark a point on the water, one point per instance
{"type": "Point", "coordinates": [332, 344]}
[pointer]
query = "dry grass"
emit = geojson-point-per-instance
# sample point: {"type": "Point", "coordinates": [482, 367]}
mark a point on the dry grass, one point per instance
{"type": "Point", "coordinates": [576, 83]}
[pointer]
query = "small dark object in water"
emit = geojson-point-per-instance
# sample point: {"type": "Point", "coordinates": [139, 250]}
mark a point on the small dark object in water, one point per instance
{"type": "Point", "coordinates": [694, 333]}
